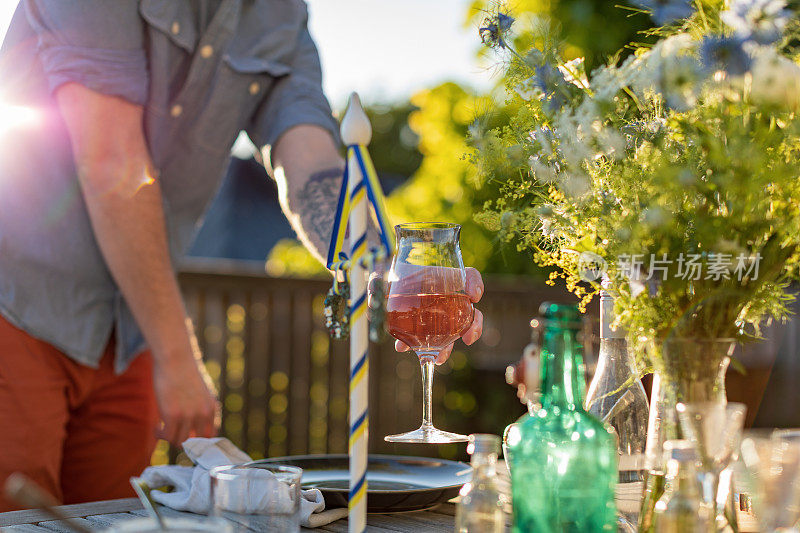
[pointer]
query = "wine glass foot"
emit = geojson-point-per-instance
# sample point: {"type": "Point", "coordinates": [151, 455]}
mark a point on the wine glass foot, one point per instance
{"type": "Point", "coordinates": [427, 435]}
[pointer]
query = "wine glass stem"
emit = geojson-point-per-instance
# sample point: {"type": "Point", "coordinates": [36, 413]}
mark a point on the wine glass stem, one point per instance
{"type": "Point", "coordinates": [427, 362]}
{"type": "Point", "coordinates": [710, 485]}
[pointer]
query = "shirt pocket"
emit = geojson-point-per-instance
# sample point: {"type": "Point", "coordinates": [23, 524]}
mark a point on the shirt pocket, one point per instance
{"type": "Point", "coordinates": [268, 32]}
{"type": "Point", "coordinates": [173, 18]}
{"type": "Point", "coordinates": [241, 84]}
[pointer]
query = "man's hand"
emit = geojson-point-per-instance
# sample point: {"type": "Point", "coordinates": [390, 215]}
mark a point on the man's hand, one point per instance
{"type": "Point", "coordinates": [186, 402]}
{"type": "Point", "coordinates": [475, 292]}
{"type": "Point", "coordinates": [125, 205]}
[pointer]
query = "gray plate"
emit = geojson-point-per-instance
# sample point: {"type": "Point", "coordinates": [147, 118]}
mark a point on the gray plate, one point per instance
{"type": "Point", "coordinates": [394, 482]}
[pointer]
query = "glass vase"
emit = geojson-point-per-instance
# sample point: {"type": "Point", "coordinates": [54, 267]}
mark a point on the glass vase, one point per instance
{"type": "Point", "coordinates": [687, 370]}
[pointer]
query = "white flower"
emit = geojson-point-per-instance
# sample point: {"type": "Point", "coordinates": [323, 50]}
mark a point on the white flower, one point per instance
{"type": "Point", "coordinates": [545, 137]}
{"type": "Point", "coordinates": [586, 116]}
{"type": "Point", "coordinates": [574, 72]}
{"type": "Point", "coordinates": [637, 287]}
{"type": "Point", "coordinates": [542, 171]}
{"type": "Point", "coordinates": [680, 79]}
{"type": "Point", "coordinates": [675, 45]}
{"type": "Point", "coordinates": [576, 153]}
{"type": "Point", "coordinates": [776, 79]}
{"type": "Point", "coordinates": [762, 21]}
{"type": "Point", "coordinates": [547, 216]}
{"type": "Point", "coordinates": [576, 185]}
{"type": "Point", "coordinates": [606, 83]}
{"type": "Point", "coordinates": [645, 71]}
{"type": "Point", "coordinates": [549, 228]}
{"type": "Point", "coordinates": [612, 142]}
{"type": "Point", "coordinates": [637, 72]}
{"type": "Point", "coordinates": [475, 130]}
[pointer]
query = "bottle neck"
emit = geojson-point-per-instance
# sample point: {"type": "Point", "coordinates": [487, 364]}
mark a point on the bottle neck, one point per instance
{"type": "Point", "coordinates": [607, 318]}
{"type": "Point", "coordinates": [563, 381]}
{"type": "Point", "coordinates": [483, 464]}
{"type": "Point", "coordinates": [613, 345]}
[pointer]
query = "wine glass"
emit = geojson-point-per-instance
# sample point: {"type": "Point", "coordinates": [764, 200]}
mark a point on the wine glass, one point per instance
{"type": "Point", "coordinates": [715, 429]}
{"type": "Point", "coordinates": [769, 472]}
{"type": "Point", "coordinates": [428, 307]}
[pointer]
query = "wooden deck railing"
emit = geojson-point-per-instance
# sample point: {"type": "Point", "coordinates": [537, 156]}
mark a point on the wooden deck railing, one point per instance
{"type": "Point", "coordinates": [283, 382]}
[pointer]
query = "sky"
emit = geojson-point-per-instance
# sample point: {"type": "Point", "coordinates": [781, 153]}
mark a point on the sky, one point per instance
{"type": "Point", "coordinates": [385, 50]}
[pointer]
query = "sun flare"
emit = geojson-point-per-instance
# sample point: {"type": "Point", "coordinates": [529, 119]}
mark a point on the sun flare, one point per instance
{"type": "Point", "coordinates": [15, 116]}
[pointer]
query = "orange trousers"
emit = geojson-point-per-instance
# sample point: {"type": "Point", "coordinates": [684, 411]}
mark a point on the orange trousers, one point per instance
{"type": "Point", "coordinates": [78, 432]}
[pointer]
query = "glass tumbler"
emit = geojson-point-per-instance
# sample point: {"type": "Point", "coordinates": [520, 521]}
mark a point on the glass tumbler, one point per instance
{"type": "Point", "coordinates": [257, 497]}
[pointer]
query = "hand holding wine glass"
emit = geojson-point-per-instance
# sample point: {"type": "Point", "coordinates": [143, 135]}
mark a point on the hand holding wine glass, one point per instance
{"type": "Point", "coordinates": [475, 290]}
{"type": "Point", "coordinates": [429, 308]}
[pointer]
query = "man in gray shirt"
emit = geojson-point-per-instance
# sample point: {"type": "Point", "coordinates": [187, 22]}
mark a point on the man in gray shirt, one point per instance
{"type": "Point", "coordinates": [131, 108]}
{"type": "Point", "coordinates": [134, 106]}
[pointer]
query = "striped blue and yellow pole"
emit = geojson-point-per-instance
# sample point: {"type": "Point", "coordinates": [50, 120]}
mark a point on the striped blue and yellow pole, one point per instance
{"type": "Point", "coordinates": [356, 133]}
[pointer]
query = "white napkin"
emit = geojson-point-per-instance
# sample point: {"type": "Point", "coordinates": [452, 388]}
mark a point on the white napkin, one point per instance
{"type": "Point", "coordinates": [191, 485]}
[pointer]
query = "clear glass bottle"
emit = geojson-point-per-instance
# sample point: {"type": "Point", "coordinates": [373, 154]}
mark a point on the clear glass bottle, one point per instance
{"type": "Point", "coordinates": [564, 460]}
{"type": "Point", "coordinates": [616, 396]}
{"type": "Point", "coordinates": [525, 376]}
{"type": "Point", "coordinates": [482, 504]}
{"type": "Point", "coordinates": [681, 508]}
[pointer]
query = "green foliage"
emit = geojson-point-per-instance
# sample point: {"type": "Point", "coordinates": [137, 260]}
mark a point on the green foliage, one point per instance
{"type": "Point", "coordinates": [593, 29]}
{"type": "Point", "coordinates": [290, 258]}
{"type": "Point", "coordinates": [444, 189]}
{"type": "Point", "coordinates": [656, 158]}
{"type": "Point", "coordinates": [394, 145]}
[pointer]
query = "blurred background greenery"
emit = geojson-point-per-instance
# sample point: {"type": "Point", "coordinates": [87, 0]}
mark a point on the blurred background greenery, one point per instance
{"type": "Point", "coordinates": [424, 138]}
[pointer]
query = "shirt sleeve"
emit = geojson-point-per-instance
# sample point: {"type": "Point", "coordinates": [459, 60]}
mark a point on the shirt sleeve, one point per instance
{"type": "Point", "coordinates": [295, 99]}
{"type": "Point", "coordinates": [97, 43]}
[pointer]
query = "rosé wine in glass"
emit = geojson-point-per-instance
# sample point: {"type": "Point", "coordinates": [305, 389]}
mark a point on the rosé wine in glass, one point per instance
{"type": "Point", "coordinates": [428, 308]}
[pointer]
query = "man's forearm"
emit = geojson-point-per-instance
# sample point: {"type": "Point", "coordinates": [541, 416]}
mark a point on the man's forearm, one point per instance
{"type": "Point", "coordinates": [123, 198]}
{"type": "Point", "coordinates": [315, 208]}
{"type": "Point", "coordinates": [131, 233]}
{"type": "Point", "coordinates": [124, 201]}
{"type": "Point", "coordinates": [308, 170]}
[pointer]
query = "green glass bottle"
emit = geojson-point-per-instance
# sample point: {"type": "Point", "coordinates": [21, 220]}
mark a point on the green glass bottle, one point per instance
{"type": "Point", "coordinates": [564, 460]}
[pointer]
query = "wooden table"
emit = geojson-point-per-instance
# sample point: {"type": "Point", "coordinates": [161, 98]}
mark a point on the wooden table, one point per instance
{"type": "Point", "coordinates": [100, 515]}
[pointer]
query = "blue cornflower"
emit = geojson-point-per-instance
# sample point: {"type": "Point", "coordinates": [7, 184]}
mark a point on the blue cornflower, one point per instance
{"type": "Point", "coordinates": [550, 81]}
{"type": "Point", "coordinates": [762, 21]}
{"type": "Point", "coordinates": [724, 53]}
{"type": "Point", "coordinates": [665, 11]}
{"type": "Point", "coordinates": [504, 22]}
{"type": "Point", "coordinates": [546, 78]}
{"type": "Point", "coordinates": [494, 28]}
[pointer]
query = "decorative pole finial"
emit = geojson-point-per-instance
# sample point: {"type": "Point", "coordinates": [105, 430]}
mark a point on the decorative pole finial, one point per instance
{"type": "Point", "coordinates": [355, 128]}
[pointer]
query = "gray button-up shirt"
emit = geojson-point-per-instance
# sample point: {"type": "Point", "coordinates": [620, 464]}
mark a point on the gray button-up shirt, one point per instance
{"type": "Point", "coordinates": [203, 70]}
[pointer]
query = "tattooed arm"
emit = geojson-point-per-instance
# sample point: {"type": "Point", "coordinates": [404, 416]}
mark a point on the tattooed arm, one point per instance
{"type": "Point", "coordinates": [308, 169]}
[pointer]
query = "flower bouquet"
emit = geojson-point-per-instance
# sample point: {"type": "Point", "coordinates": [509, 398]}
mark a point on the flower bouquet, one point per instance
{"type": "Point", "coordinates": [673, 170]}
